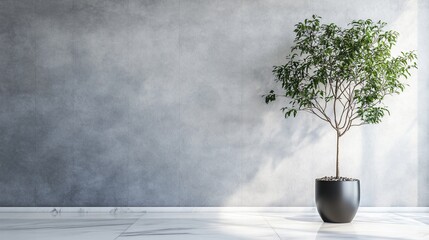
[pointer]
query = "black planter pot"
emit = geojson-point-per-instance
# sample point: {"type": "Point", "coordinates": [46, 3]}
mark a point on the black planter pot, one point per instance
{"type": "Point", "coordinates": [337, 201]}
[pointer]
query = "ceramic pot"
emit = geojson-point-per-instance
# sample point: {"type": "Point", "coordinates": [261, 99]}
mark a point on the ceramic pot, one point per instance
{"type": "Point", "coordinates": [337, 201]}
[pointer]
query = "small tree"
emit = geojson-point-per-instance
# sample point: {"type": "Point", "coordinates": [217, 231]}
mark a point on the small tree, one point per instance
{"type": "Point", "coordinates": [341, 75]}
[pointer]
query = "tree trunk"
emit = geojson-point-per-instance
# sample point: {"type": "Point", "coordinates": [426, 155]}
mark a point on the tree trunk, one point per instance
{"type": "Point", "coordinates": [337, 172]}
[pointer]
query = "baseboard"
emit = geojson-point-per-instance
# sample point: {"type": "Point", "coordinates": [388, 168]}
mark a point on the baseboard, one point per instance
{"type": "Point", "coordinates": [193, 209]}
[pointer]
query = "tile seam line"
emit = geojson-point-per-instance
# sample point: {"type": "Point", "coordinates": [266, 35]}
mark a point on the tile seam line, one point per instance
{"type": "Point", "coordinates": [405, 218]}
{"type": "Point", "coordinates": [132, 224]}
{"type": "Point", "coordinates": [274, 230]}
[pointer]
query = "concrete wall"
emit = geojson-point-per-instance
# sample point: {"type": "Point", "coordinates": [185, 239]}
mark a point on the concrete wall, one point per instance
{"type": "Point", "coordinates": [157, 103]}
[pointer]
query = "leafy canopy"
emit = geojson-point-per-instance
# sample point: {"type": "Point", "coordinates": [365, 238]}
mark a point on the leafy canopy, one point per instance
{"type": "Point", "coordinates": [342, 75]}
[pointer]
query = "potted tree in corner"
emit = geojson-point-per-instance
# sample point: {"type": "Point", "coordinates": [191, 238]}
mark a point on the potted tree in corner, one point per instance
{"type": "Point", "coordinates": [342, 76]}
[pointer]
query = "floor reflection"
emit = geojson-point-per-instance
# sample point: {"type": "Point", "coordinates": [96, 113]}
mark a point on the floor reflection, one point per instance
{"type": "Point", "coordinates": [211, 225]}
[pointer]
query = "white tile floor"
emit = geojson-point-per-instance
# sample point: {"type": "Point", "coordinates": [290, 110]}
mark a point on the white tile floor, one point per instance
{"type": "Point", "coordinates": [210, 225]}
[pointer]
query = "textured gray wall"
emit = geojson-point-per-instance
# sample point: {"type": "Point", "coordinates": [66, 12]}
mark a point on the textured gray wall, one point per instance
{"type": "Point", "coordinates": [157, 103]}
{"type": "Point", "coordinates": [423, 104]}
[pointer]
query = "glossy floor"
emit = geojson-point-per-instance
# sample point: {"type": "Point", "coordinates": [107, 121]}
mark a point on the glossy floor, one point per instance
{"type": "Point", "coordinates": [201, 225]}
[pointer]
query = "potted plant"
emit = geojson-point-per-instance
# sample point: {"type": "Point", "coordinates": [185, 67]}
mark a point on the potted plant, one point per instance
{"type": "Point", "coordinates": [342, 76]}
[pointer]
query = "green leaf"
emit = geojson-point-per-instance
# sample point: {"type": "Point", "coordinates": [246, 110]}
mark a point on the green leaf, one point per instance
{"type": "Point", "coordinates": [328, 62]}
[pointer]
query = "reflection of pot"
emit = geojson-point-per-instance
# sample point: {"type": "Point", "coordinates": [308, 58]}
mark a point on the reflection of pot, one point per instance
{"type": "Point", "coordinates": [337, 201]}
{"type": "Point", "coordinates": [336, 231]}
